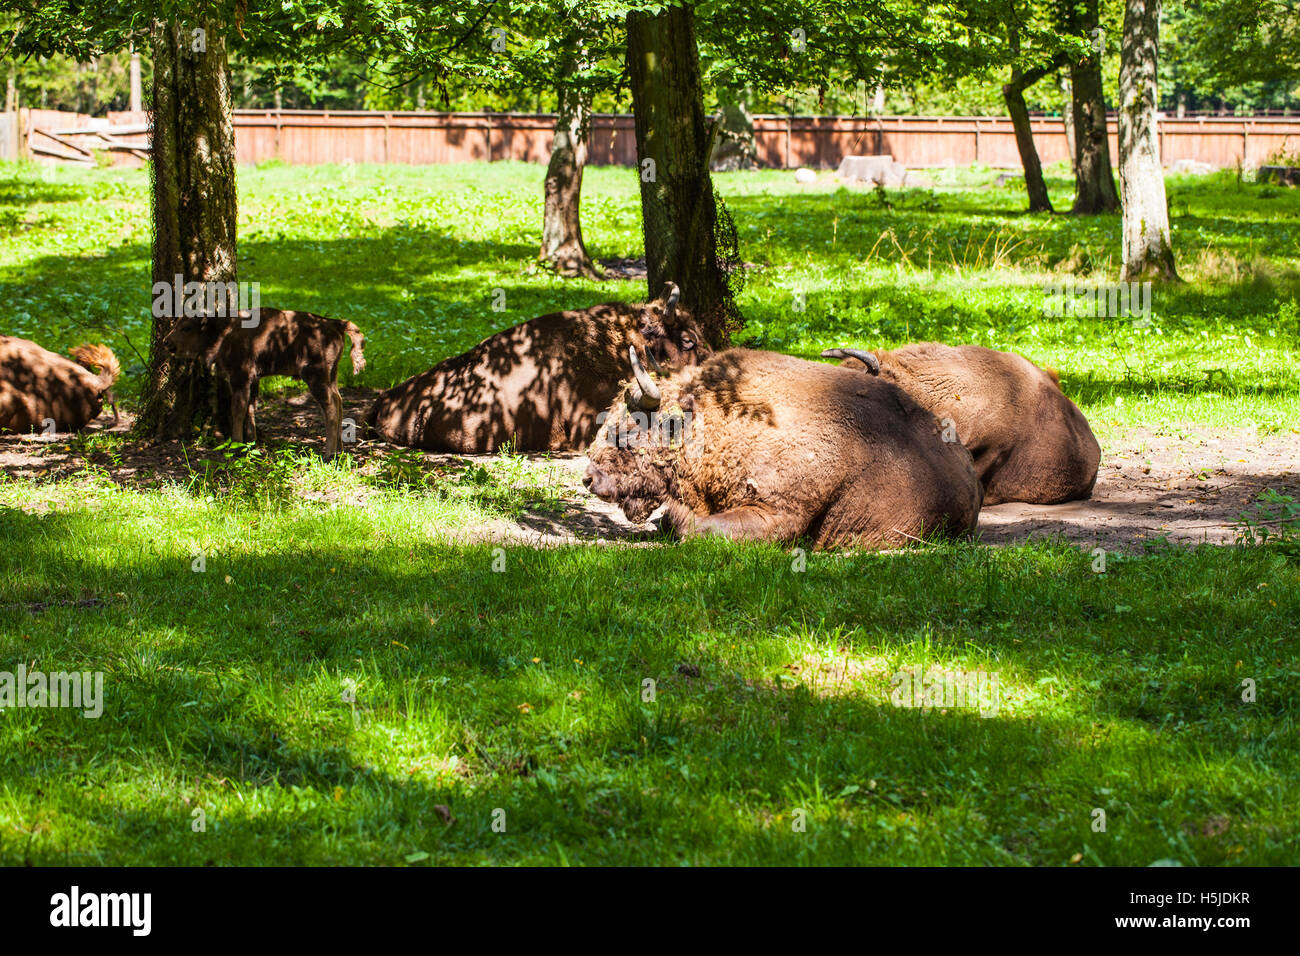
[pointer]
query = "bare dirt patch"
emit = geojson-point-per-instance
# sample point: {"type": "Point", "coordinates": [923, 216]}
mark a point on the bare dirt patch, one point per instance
{"type": "Point", "coordinates": [1189, 488]}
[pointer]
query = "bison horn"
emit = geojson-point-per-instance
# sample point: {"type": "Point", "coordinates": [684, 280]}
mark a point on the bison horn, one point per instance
{"type": "Point", "coordinates": [673, 294]}
{"type": "Point", "coordinates": [645, 393]}
{"type": "Point", "coordinates": [866, 358]}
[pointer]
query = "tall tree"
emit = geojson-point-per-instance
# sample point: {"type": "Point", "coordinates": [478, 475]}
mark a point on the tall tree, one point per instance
{"type": "Point", "coordinates": [562, 243]}
{"type": "Point", "coordinates": [1014, 95]}
{"type": "Point", "coordinates": [1146, 247]}
{"type": "Point", "coordinates": [1094, 180]}
{"type": "Point", "coordinates": [674, 140]}
{"type": "Point", "coordinates": [194, 210]}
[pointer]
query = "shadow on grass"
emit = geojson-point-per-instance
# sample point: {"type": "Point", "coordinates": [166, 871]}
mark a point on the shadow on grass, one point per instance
{"type": "Point", "coordinates": [529, 678]}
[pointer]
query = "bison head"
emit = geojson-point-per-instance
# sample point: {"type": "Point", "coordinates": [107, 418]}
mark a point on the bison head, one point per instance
{"type": "Point", "coordinates": [672, 337]}
{"type": "Point", "coordinates": [633, 457]}
{"type": "Point", "coordinates": [194, 336]}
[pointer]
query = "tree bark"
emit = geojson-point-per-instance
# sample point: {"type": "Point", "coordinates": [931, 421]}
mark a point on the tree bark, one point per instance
{"type": "Point", "coordinates": [1067, 113]}
{"type": "Point", "coordinates": [1093, 177]}
{"type": "Point", "coordinates": [736, 145]}
{"type": "Point", "coordinates": [1146, 247]}
{"type": "Point", "coordinates": [194, 212]}
{"type": "Point", "coordinates": [674, 140]}
{"type": "Point", "coordinates": [562, 243]}
{"type": "Point", "coordinates": [137, 92]}
{"type": "Point", "coordinates": [1014, 94]}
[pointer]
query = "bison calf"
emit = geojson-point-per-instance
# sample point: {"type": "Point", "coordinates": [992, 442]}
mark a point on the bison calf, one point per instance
{"type": "Point", "coordinates": [1030, 443]}
{"type": "Point", "coordinates": [298, 344]}
{"type": "Point", "coordinates": [539, 384]}
{"type": "Point", "coordinates": [763, 446]}
{"type": "Point", "coordinates": [37, 385]}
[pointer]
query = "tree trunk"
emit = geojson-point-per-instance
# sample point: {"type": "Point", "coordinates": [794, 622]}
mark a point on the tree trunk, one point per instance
{"type": "Point", "coordinates": [1146, 247]}
{"type": "Point", "coordinates": [194, 211]}
{"type": "Point", "coordinates": [1014, 94]}
{"type": "Point", "coordinates": [11, 89]}
{"type": "Point", "coordinates": [562, 243]}
{"type": "Point", "coordinates": [1093, 177]}
{"type": "Point", "coordinates": [735, 145]}
{"type": "Point", "coordinates": [137, 92]}
{"type": "Point", "coordinates": [673, 142]}
{"type": "Point", "coordinates": [1067, 113]}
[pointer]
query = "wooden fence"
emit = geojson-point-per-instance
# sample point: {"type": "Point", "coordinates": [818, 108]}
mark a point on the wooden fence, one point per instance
{"type": "Point", "coordinates": [316, 136]}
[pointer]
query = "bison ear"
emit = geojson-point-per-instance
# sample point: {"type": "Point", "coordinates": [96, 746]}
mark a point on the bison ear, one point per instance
{"type": "Point", "coordinates": [866, 358]}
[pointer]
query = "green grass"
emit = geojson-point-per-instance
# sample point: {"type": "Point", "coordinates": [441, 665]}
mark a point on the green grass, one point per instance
{"type": "Point", "coordinates": [343, 672]}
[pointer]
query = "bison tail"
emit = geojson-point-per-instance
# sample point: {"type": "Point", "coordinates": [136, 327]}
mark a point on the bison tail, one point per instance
{"type": "Point", "coordinates": [358, 344]}
{"type": "Point", "coordinates": [101, 357]}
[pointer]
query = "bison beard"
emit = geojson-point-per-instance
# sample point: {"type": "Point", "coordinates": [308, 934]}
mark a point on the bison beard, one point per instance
{"type": "Point", "coordinates": [756, 445]}
{"type": "Point", "coordinates": [540, 384]}
{"type": "Point", "coordinates": [1030, 443]}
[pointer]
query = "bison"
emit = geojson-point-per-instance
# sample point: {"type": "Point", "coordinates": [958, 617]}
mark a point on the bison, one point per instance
{"type": "Point", "coordinates": [539, 384]}
{"type": "Point", "coordinates": [298, 344]}
{"type": "Point", "coordinates": [38, 386]}
{"type": "Point", "coordinates": [1030, 443]}
{"type": "Point", "coordinates": [757, 445]}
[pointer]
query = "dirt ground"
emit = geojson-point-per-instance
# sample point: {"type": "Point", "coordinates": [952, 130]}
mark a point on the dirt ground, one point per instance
{"type": "Point", "coordinates": [1189, 487]}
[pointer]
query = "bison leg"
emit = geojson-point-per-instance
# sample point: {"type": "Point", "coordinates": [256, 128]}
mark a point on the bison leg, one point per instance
{"type": "Point", "coordinates": [240, 395]}
{"type": "Point", "coordinates": [250, 423]}
{"type": "Point", "coordinates": [749, 522]}
{"type": "Point", "coordinates": [327, 396]}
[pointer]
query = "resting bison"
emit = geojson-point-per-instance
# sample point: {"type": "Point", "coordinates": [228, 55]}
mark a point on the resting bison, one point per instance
{"type": "Point", "coordinates": [1030, 442]}
{"type": "Point", "coordinates": [540, 383]}
{"type": "Point", "coordinates": [298, 344]}
{"type": "Point", "coordinates": [764, 446]}
{"type": "Point", "coordinates": [37, 385]}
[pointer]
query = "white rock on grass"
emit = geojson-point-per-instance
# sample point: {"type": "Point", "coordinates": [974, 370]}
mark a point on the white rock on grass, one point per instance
{"type": "Point", "coordinates": [805, 176]}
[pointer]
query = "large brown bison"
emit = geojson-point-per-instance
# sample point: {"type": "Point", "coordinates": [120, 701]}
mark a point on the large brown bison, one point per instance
{"type": "Point", "coordinates": [39, 386]}
{"type": "Point", "coordinates": [245, 348]}
{"type": "Point", "coordinates": [539, 384]}
{"type": "Point", "coordinates": [764, 446]}
{"type": "Point", "coordinates": [1030, 442]}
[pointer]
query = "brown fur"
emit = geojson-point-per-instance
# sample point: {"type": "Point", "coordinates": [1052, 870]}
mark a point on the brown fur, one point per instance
{"type": "Point", "coordinates": [541, 383]}
{"type": "Point", "coordinates": [298, 344]}
{"type": "Point", "coordinates": [37, 384]}
{"type": "Point", "coordinates": [779, 449]}
{"type": "Point", "coordinates": [1030, 442]}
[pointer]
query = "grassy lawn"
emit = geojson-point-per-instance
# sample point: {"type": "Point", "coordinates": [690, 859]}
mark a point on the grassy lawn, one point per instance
{"type": "Point", "coordinates": [349, 683]}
